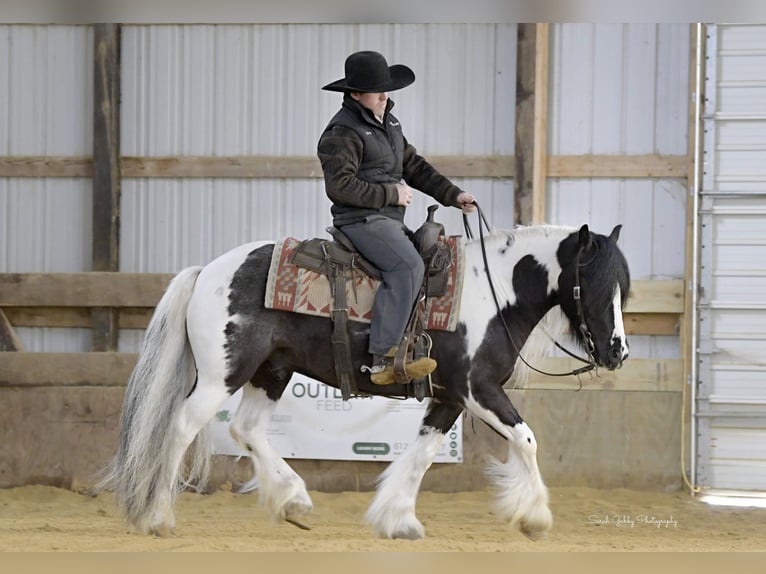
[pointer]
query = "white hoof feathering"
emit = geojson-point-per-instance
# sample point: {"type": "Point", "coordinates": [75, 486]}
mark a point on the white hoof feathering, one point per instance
{"type": "Point", "coordinates": [521, 497]}
{"type": "Point", "coordinates": [280, 488]}
{"type": "Point", "coordinates": [284, 492]}
{"type": "Point", "coordinates": [392, 512]}
{"type": "Point", "coordinates": [391, 520]}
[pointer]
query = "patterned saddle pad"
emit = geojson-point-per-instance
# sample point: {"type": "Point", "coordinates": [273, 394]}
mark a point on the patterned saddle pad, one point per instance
{"type": "Point", "coordinates": [292, 288]}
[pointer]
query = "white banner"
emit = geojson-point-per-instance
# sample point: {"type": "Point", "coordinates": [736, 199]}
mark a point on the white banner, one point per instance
{"type": "Point", "coordinates": [312, 421]}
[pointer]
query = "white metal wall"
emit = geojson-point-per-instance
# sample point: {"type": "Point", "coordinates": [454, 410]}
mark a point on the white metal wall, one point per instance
{"type": "Point", "coordinates": [731, 400]}
{"type": "Point", "coordinates": [623, 89]}
{"type": "Point", "coordinates": [255, 90]}
{"type": "Point", "coordinates": [46, 107]}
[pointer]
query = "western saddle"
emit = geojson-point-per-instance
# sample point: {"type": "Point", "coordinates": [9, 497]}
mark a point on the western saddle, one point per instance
{"type": "Point", "coordinates": [338, 259]}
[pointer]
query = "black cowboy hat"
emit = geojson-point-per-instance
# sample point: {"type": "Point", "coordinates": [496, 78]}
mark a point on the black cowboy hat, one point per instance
{"type": "Point", "coordinates": [368, 71]}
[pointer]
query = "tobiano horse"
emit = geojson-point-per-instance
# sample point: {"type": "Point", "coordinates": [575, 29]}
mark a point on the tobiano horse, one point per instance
{"type": "Point", "coordinates": [211, 335]}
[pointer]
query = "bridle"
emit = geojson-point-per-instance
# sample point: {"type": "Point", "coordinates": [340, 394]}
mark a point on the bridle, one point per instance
{"type": "Point", "coordinates": [590, 363]}
{"type": "Point", "coordinates": [590, 346]}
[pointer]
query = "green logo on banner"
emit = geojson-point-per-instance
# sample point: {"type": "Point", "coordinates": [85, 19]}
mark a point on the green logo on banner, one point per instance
{"type": "Point", "coordinates": [371, 448]}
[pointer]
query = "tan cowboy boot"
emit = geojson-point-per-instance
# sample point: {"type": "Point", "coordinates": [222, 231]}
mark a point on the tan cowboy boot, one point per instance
{"type": "Point", "coordinates": [382, 370]}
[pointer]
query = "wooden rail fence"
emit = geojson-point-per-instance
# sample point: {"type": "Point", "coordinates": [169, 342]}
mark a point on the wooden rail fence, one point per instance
{"type": "Point", "coordinates": [66, 300]}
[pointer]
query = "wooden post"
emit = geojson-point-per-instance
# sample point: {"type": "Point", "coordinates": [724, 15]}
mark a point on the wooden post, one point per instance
{"type": "Point", "coordinates": [540, 155]}
{"type": "Point", "coordinates": [106, 172]}
{"type": "Point", "coordinates": [531, 123]}
{"type": "Point", "coordinates": [525, 118]}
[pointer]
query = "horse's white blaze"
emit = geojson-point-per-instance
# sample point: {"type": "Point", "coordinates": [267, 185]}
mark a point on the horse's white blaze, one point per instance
{"type": "Point", "coordinates": [392, 512]}
{"type": "Point", "coordinates": [619, 327]}
{"type": "Point", "coordinates": [280, 488]}
{"type": "Point", "coordinates": [521, 496]}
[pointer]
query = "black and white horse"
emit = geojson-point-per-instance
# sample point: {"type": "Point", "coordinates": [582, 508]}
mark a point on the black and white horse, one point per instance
{"type": "Point", "coordinates": [211, 335]}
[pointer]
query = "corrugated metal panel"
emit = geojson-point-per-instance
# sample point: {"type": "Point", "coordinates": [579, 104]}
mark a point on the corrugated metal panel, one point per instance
{"type": "Point", "coordinates": [735, 462]}
{"type": "Point", "coordinates": [622, 89]}
{"type": "Point", "coordinates": [46, 97]}
{"type": "Point", "coordinates": [200, 219]}
{"type": "Point", "coordinates": [652, 214]}
{"type": "Point", "coordinates": [229, 90]}
{"type": "Point", "coordinates": [731, 400]}
{"type": "Point", "coordinates": [171, 224]}
{"type": "Point", "coordinates": [255, 89]}
{"type": "Point", "coordinates": [741, 85]}
{"type": "Point", "coordinates": [740, 99]}
{"type": "Point", "coordinates": [46, 109]}
{"type": "Point", "coordinates": [619, 88]}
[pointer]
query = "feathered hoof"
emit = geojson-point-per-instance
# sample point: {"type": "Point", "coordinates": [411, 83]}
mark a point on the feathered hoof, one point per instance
{"type": "Point", "coordinates": [163, 531]}
{"type": "Point", "coordinates": [536, 527]}
{"type": "Point", "coordinates": [403, 528]}
{"type": "Point", "coordinates": [532, 534]}
{"type": "Point", "coordinates": [296, 508]}
{"type": "Point", "coordinates": [412, 533]}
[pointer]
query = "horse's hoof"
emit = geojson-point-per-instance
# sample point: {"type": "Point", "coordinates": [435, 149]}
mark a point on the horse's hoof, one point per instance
{"type": "Point", "coordinates": [409, 534]}
{"type": "Point", "coordinates": [412, 531]}
{"type": "Point", "coordinates": [297, 507]}
{"type": "Point", "coordinates": [535, 535]}
{"type": "Point", "coordinates": [538, 528]}
{"type": "Point", "coordinates": [163, 531]}
{"type": "Point", "coordinates": [297, 523]}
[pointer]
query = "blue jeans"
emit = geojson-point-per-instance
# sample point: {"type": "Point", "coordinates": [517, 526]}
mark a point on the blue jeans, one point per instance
{"type": "Point", "coordinates": [384, 242]}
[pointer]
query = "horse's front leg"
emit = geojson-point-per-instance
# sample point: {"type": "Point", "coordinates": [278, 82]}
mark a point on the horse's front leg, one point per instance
{"type": "Point", "coordinates": [392, 512]}
{"type": "Point", "coordinates": [281, 489]}
{"type": "Point", "coordinates": [521, 496]}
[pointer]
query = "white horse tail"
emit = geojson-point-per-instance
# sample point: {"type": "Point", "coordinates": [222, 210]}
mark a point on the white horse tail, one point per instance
{"type": "Point", "coordinates": [165, 374]}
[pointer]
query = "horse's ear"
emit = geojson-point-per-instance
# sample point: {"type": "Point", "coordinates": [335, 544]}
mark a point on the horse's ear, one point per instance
{"type": "Point", "coordinates": [584, 237]}
{"type": "Point", "coordinates": [615, 234]}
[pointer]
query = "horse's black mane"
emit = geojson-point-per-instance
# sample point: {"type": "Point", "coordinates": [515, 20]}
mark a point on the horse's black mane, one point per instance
{"type": "Point", "coordinates": [602, 265]}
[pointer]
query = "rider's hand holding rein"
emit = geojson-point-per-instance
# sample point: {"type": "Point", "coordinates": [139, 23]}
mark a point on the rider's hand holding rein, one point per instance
{"type": "Point", "coordinates": [466, 202]}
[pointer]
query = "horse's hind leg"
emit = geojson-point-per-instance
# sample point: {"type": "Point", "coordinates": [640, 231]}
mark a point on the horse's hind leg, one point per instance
{"type": "Point", "coordinates": [280, 488]}
{"type": "Point", "coordinates": [392, 512]}
{"type": "Point", "coordinates": [521, 495]}
{"type": "Point", "coordinates": [194, 414]}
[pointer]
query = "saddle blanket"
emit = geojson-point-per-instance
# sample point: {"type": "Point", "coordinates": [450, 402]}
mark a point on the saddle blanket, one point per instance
{"type": "Point", "coordinates": [299, 290]}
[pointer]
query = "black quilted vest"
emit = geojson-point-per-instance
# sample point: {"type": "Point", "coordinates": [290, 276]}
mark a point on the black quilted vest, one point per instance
{"type": "Point", "coordinates": [382, 156]}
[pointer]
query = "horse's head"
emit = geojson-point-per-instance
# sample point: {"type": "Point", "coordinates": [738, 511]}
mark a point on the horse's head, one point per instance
{"type": "Point", "coordinates": [593, 286]}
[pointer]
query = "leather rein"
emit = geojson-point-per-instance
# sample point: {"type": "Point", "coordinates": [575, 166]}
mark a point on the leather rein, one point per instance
{"type": "Point", "coordinates": [590, 363]}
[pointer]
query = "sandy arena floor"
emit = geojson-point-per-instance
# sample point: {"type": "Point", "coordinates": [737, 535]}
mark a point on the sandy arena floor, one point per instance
{"type": "Point", "coordinates": [37, 518]}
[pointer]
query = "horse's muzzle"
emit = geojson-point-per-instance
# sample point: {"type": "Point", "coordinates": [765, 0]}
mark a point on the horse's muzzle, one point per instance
{"type": "Point", "coordinates": [615, 356]}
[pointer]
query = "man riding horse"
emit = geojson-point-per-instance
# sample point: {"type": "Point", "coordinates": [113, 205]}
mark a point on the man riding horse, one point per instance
{"type": "Point", "coordinates": [368, 167]}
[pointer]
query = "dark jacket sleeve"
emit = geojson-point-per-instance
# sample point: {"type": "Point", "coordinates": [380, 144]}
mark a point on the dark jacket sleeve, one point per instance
{"type": "Point", "coordinates": [420, 174]}
{"type": "Point", "coordinates": [340, 152]}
